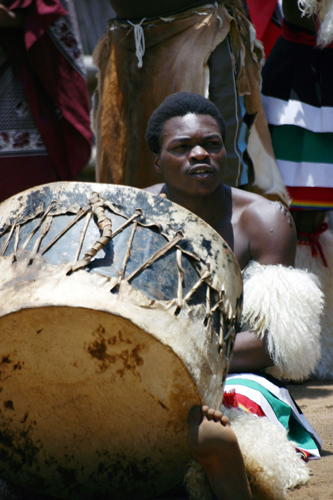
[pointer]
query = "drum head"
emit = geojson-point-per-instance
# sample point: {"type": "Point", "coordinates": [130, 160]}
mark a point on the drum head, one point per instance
{"type": "Point", "coordinates": [66, 427]}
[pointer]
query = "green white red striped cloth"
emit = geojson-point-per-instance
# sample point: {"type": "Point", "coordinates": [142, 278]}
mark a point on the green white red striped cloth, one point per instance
{"type": "Point", "coordinates": [265, 396]}
{"type": "Point", "coordinates": [298, 100]}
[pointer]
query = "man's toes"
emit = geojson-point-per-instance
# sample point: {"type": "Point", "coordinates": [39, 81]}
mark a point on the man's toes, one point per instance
{"type": "Point", "coordinates": [218, 415]}
{"type": "Point", "coordinates": [225, 421]}
{"type": "Point", "coordinates": [211, 414]}
{"type": "Point", "coordinates": [195, 416]}
{"type": "Point", "coordinates": [204, 410]}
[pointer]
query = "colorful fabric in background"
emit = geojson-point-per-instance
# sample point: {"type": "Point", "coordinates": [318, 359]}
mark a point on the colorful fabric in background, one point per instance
{"type": "Point", "coordinates": [266, 17]}
{"type": "Point", "coordinates": [265, 396]}
{"type": "Point", "coordinates": [298, 100]}
{"type": "Point", "coordinates": [45, 133]}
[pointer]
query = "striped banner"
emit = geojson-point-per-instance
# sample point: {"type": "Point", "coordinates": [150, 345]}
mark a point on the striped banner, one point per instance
{"type": "Point", "coordinates": [291, 112]}
{"type": "Point", "coordinates": [305, 161]}
{"type": "Point", "coordinates": [298, 100]}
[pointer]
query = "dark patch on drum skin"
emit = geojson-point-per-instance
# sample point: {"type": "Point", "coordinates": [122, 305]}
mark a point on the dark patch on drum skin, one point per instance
{"type": "Point", "coordinates": [20, 459]}
{"type": "Point", "coordinates": [51, 462]}
{"type": "Point", "coordinates": [121, 470]}
{"type": "Point", "coordinates": [39, 331]}
{"type": "Point", "coordinates": [8, 405]}
{"type": "Point", "coordinates": [207, 244]}
{"type": "Point", "coordinates": [131, 360]}
{"type": "Point", "coordinates": [68, 476]}
{"type": "Point", "coordinates": [26, 415]}
{"type": "Point", "coordinates": [17, 447]}
{"type": "Point", "coordinates": [5, 360]}
{"type": "Point", "coordinates": [117, 339]}
{"type": "Point", "coordinates": [29, 488]}
{"type": "Point", "coordinates": [99, 347]}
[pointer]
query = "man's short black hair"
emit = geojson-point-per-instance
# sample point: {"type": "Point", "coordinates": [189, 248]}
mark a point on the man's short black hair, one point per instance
{"type": "Point", "coordinates": [180, 104]}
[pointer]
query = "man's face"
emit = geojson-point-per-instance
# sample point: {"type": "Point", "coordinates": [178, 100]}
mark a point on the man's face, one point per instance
{"type": "Point", "coordinates": [192, 156]}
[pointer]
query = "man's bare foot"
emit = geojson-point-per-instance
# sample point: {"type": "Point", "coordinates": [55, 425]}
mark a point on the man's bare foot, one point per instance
{"type": "Point", "coordinates": [215, 446]}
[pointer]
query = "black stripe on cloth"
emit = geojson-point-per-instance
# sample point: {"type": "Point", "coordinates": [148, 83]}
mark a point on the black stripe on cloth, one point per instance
{"type": "Point", "coordinates": [299, 72]}
{"type": "Point", "coordinates": [278, 383]}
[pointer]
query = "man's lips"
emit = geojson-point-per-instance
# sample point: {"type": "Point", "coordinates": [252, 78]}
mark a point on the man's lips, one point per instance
{"type": "Point", "coordinates": [201, 171]}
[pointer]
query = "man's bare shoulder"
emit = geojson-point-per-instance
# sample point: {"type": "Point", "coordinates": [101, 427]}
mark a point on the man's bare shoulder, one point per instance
{"type": "Point", "coordinates": [269, 225]}
{"type": "Point", "coordinates": [250, 205]}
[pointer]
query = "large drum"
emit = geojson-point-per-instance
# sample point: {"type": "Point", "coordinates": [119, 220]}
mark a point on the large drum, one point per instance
{"type": "Point", "coordinates": [118, 312]}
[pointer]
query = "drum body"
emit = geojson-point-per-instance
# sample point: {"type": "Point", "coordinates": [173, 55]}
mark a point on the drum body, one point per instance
{"type": "Point", "coordinates": [118, 312]}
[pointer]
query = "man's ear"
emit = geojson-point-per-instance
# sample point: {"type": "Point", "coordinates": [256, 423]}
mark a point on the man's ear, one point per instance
{"type": "Point", "coordinates": [157, 165]}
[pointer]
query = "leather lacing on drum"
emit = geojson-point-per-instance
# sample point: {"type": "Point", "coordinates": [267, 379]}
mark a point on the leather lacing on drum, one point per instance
{"type": "Point", "coordinates": [157, 255]}
{"type": "Point", "coordinates": [96, 207]}
{"type": "Point", "coordinates": [9, 236]}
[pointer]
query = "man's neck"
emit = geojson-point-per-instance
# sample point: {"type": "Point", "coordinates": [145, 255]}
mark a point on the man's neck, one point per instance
{"type": "Point", "coordinates": [211, 208]}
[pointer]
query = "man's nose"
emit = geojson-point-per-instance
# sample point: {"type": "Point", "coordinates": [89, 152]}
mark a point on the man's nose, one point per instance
{"type": "Point", "coordinates": [198, 153]}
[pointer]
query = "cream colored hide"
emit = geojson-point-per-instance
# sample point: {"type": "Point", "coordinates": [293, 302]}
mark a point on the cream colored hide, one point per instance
{"type": "Point", "coordinates": [118, 312]}
{"type": "Point", "coordinates": [304, 260]}
{"type": "Point", "coordinates": [135, 78]}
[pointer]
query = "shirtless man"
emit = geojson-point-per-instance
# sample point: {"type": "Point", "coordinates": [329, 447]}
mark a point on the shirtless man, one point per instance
{"type": "Point", "coordinates": [186, 135]}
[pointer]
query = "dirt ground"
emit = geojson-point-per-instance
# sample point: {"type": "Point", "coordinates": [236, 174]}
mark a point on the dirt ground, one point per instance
{"type": "Point", "coordinates": [316, 401]}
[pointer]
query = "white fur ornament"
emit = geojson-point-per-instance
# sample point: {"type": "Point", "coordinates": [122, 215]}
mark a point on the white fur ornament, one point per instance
{"type": "Point", "coordinates": [284, 305]}
{"type": "Point", "coordinates": [324, 10]}
{"type": "Point", "coordinates": [272, 464]}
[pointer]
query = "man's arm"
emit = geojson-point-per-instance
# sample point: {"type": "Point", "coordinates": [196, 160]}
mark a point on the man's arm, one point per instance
{"type": "Point", "coordinates": [272, 240]}
{"type": "Point", "coordinates": [273, 237]}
